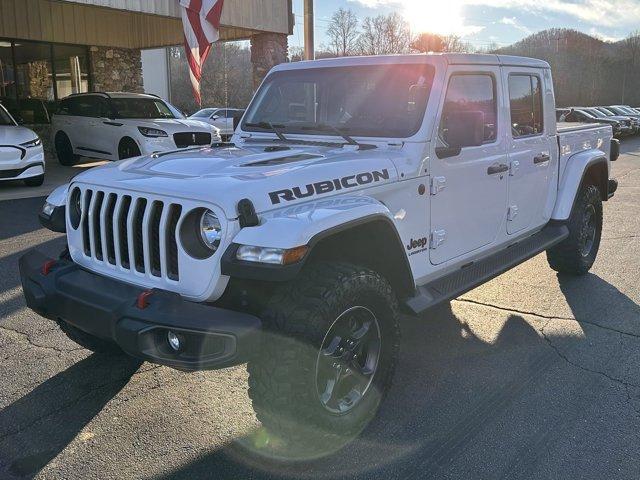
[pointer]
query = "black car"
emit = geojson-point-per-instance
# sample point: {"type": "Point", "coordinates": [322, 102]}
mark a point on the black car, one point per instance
{"type": "Point", "coordinates": [583, 115]}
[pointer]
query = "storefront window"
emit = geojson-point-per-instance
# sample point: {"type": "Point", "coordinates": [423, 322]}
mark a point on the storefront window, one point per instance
{"type": "Point", "coordinates": [35, 75]}
{"type": "Point", "coordinates": [72, 73]}
{"type": "Point", "coordinates": [7, 76]}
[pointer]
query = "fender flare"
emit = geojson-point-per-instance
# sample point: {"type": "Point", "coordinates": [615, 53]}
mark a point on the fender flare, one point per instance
{"type": "Point", "coordinates": [310, 224]}
{"type": "Point", "coordinates": [58, 196]}
{"type": "Point", "coordinates": [572, 179]}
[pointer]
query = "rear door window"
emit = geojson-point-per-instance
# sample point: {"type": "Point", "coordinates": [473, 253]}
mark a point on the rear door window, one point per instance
{"type": "Point", "coordinates": [525, 101]}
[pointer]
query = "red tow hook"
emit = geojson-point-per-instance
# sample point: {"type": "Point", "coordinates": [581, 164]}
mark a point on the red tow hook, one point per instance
{"type": "Point", "coordinates": [47, 266]}
{"type": "Point", "coordinates": [143, 299]}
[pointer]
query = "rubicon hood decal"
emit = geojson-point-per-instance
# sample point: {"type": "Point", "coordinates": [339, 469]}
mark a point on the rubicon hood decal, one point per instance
{"type": "Point", "coordinates": [327, 186]}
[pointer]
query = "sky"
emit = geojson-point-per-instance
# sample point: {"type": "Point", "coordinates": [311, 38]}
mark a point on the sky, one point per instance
{"type": "Point", "coordinates": [485, 22]}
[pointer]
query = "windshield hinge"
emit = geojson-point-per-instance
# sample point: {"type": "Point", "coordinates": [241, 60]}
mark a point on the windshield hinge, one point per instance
{"type": "Point", "coordinates": [437, 238]}
{"type": "Point", "coordinates": [437, 185]}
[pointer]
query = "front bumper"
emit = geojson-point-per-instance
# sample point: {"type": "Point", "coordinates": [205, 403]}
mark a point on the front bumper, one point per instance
{"type": "Point", "coordinates": [211, 337]}
{"type": "Point", "coordinates": [33, 169]}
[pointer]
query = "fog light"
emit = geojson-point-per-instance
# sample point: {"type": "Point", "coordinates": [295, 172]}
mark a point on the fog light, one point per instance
{"type": "Point", "coordinates": [48, 209]}
{"type": "Point", "coordinates": [174, 341]}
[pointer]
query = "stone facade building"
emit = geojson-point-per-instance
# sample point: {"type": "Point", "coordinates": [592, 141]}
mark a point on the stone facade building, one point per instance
{"type": "Point", "coordinates": [116, 69]}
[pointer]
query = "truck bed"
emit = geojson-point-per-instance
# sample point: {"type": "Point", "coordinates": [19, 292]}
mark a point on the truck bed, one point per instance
{"type": "Point", "coordinates": [577, 137]}
{"type": "Point", "coordinates": [564, 127]}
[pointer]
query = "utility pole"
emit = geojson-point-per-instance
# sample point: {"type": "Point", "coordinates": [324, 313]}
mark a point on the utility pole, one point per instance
{"type": "Point", "coordinates": [309, 47]}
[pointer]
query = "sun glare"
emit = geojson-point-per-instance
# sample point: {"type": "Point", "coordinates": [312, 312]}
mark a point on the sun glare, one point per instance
{"type": "Point", "coordinates": [436, 16]}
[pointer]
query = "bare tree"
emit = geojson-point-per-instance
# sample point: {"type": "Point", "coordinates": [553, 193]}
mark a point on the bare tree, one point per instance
{"type": "Point", "coordinates": [296, 53]}
{"type": "Point", "coordinates": [428, 42]}
{"type": "Point", "coordinates": [343, 32]}
{"type": "Point", "coordinates": [631, 52]}
{"type": "Point", "coordinates": [455, 44]}
{"type": "Point", "coordinates": [385, 34]}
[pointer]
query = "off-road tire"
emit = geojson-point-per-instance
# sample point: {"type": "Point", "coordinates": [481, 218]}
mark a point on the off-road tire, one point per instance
{"type": "Point", "coordinates": [569, 256]}
{"type": "Point", "coordinates": [88, 341]}
{"type": "Point", "coordinates": [34, 181]}
{"type": "Point", "coordinates": [64, 150]}
{"type": "Point", "coordinates": [282, 377]}
{"type": "Point", "coordinates": [128, 148]}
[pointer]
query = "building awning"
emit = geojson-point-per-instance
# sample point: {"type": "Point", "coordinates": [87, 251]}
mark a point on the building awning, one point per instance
{"type": "Point", "coordinates": [132, 23]}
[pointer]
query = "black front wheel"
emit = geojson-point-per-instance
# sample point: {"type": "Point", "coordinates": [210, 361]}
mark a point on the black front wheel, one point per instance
{"type": "Point", "coordinates": [128, 148]}
{"type": "Point", "coordinates": [576, 254]}
{"type": "Point", "coordinates": [64, 150]}
{"type": "Point", "coordinates": [328, 356]}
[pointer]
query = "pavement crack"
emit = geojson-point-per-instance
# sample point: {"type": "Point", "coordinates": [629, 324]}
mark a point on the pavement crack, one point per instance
{"type": "Point", "coordinates": [548, 317]}
{"type": "Point", "coordinates": [611, 378]}
{"type": "Point", "coordinates": [74, 401]}
{"type": "Point", "coordinates": [33, 343]}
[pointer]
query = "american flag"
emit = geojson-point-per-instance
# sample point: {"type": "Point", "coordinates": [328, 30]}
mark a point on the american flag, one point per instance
{"type": "Point", "coordinates": [201, 22]}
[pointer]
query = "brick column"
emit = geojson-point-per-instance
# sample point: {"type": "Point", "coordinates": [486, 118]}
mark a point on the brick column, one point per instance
{"type": "Point", "coordinates": [116, 69]}
{"type": "Point", "coordinates": [267, 51]}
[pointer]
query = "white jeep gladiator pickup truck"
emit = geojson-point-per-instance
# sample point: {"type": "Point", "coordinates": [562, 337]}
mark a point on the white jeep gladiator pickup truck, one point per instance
{"type": "Point", "coordinates": [353, 189]}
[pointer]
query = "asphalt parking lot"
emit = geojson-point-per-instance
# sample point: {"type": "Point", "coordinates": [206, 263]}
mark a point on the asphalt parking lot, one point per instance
{"type": "Point", "coordinates": [531, 376]}
{"type": "Point", "coordinates": [55, 174]}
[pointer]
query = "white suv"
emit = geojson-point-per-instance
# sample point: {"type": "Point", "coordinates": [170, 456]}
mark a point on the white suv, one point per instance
{"type": "Point", "coordinates": [21, 153]}
{"type": "Point", "coordinates": [115, 126]}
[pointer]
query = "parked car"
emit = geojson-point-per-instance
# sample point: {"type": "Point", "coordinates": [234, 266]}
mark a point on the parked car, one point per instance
{"type": "Point", "coordinates": [225, 119]}
{"type": "Point", "coordinates": [633, 122]}
{"type": "Point", "coordinates": [115, 126]}
{"type": "Point", "coordinates": [626, 127]}
{"type": "Point", "coordinates": [628, 112]}
{"type": "Point", "coordinates": [625, 110]}
{"type": "Point", "coordinates": [21, 152]}
{"type": "Point", "coordinates": [579, 115]}
{"type": "Point", "coordinates": [294, 249]}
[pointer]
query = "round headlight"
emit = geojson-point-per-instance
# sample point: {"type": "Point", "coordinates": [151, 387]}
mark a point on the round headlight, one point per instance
{"type": "Point", "coordinates": [210, 230]}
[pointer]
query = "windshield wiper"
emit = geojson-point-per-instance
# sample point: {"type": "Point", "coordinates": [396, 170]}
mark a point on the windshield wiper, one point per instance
{"type": "Point", "coordinates": [320, 127]}
{"type": "Point", "coordinates": [270, 127]}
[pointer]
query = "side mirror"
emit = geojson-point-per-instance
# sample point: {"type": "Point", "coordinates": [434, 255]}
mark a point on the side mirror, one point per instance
{"type": "Point", "coordinates": [462, 129]}
{"type": "Point", "coordinates": [215, 117]}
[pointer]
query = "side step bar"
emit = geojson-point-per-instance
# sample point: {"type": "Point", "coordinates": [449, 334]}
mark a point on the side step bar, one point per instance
{"type": "Point", "coordinates": [468, 277]}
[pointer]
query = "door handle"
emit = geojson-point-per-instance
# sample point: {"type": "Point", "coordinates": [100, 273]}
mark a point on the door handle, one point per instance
{"type": "Point", "coordinates": [544, 158]}
{"type": "Point", "coordinates": [497, 168]}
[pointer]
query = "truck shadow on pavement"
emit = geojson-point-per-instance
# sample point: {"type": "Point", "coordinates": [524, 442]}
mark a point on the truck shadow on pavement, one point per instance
{"type": "Point", "coordinates": [453, 382]}
{"type": "Point", "coordinates": [40, 425]}
{"type": "Point", "coordinates": [450, 387]}
{"type": "Point", "coordinates": [449, 384]}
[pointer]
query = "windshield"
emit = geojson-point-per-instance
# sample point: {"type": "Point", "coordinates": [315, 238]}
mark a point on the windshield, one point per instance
{"type": "Point", "coordinates": [366, 101]}
{"type": "Point", "coordinates": [204, 113]}
{"type": "Point", "coordinates": [5, 118]}
{"type": "Point", "coordinates": [596, 113]}
{"type": "Point", "coordinates": [146, 108]}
